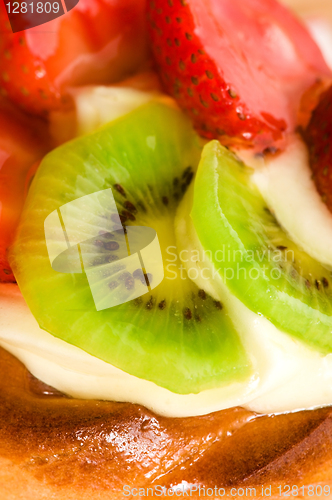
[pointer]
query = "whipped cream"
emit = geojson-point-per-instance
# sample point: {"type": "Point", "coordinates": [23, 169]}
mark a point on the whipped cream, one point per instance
{"type": "Point", "coordinates": [78, 374]}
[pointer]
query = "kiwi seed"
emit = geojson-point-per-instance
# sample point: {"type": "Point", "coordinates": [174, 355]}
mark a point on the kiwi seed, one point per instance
{"type": "Point", "coordinates": [218, 305]}
{"type": "Point", "coordinates": [138, 274]}
{"type": "Point", "coordinates": [187, 313]}
{"type": "Point", "coordinates": [128, 215]}
{"type": "Point", "coordinates": [99, 261]}
{"type": "Point", "coordinates": [162, 305]}
{"type": "Point", "coordinates": [98, 243]}
{"type": "Point", "coordinates": [112, 258]}
{"type": "Point", "coordinates": [325, 282]}
{"type": "Point", "coordinates": [186, 172]}
{"type": "Point", "coordinates": [129, 283]}
{"type": "Point", "coordinates": [145, 278]}
{"type": "Point", "coordinates": [125, 276]}
{"type": "Point", "coordinates": [130, 206]}
{"type": "Point", "coordinates": [111, 245]}
{"type": "Point", "coordinates": [120, 189]}
{"type": "Point", "coordinates": [150, 303]}
{"type": "Point", "coordinates": [202, 294]}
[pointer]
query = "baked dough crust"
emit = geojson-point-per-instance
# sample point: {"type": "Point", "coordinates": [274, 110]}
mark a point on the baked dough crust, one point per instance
{"type": "Point", "coordinates": [56, 447]}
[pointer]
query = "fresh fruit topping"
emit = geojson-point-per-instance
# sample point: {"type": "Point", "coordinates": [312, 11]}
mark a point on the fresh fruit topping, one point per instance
{"type": "Point", "coordinates": [254, 256]}
{"type": "Point", "coordinates": [22, 142]}
{"type": "Point", "coordinates": [170, 334]}
{"type": "Point", "coordinates": [318, 136]}
{"type": "Point", "coordinates": [98, 41]}
{"type": "Point", "coordinates": [238, 68]}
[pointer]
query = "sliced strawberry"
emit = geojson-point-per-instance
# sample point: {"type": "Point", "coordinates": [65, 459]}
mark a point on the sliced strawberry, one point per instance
{"type": "Point", "coordinates": [318, 136]}
{"type": "Point", "coordinates": [22, 142]}
{"type": "Point", "coordinates": [237, 67]}
{"type": "Point", "coordinates": [98, 41]}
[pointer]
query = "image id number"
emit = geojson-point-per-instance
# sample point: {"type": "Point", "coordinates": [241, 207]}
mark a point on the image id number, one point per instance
{"type": "Point", "coordinates": [26, 7]}
{"type": "Point", "coordinates": [310, 490]}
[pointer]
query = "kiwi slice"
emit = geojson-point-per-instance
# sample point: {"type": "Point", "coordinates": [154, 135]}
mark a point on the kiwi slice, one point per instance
{"type": "Point", "coordinates": [173, 334]}
{"type": "Point", "coordinates": [254, 256]}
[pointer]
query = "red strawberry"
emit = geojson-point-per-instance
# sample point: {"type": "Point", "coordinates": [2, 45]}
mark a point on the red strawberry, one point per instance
{"type": "Point", "coordinates": [98, 41]}
{"type": "Point", "coordinates": [318, 136]}
{"type": "Point", "coordinates": [22, 142]}
{"type": "Point", "coordinates": [237, 67]}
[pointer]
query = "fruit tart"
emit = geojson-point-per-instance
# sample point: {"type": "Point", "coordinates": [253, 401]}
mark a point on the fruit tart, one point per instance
{"type": "Point", "coordinates": [165, 295]}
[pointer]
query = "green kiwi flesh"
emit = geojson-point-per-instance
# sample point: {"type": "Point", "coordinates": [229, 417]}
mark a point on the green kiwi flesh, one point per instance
{"type": "Point", "coordinates": [254, 256]}
{"type": "Point", "coordinates": [174, 335]}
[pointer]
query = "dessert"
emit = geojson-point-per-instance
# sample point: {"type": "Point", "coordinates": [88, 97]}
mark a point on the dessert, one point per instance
{"type": "Point", "coordinates": [201, 345]}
